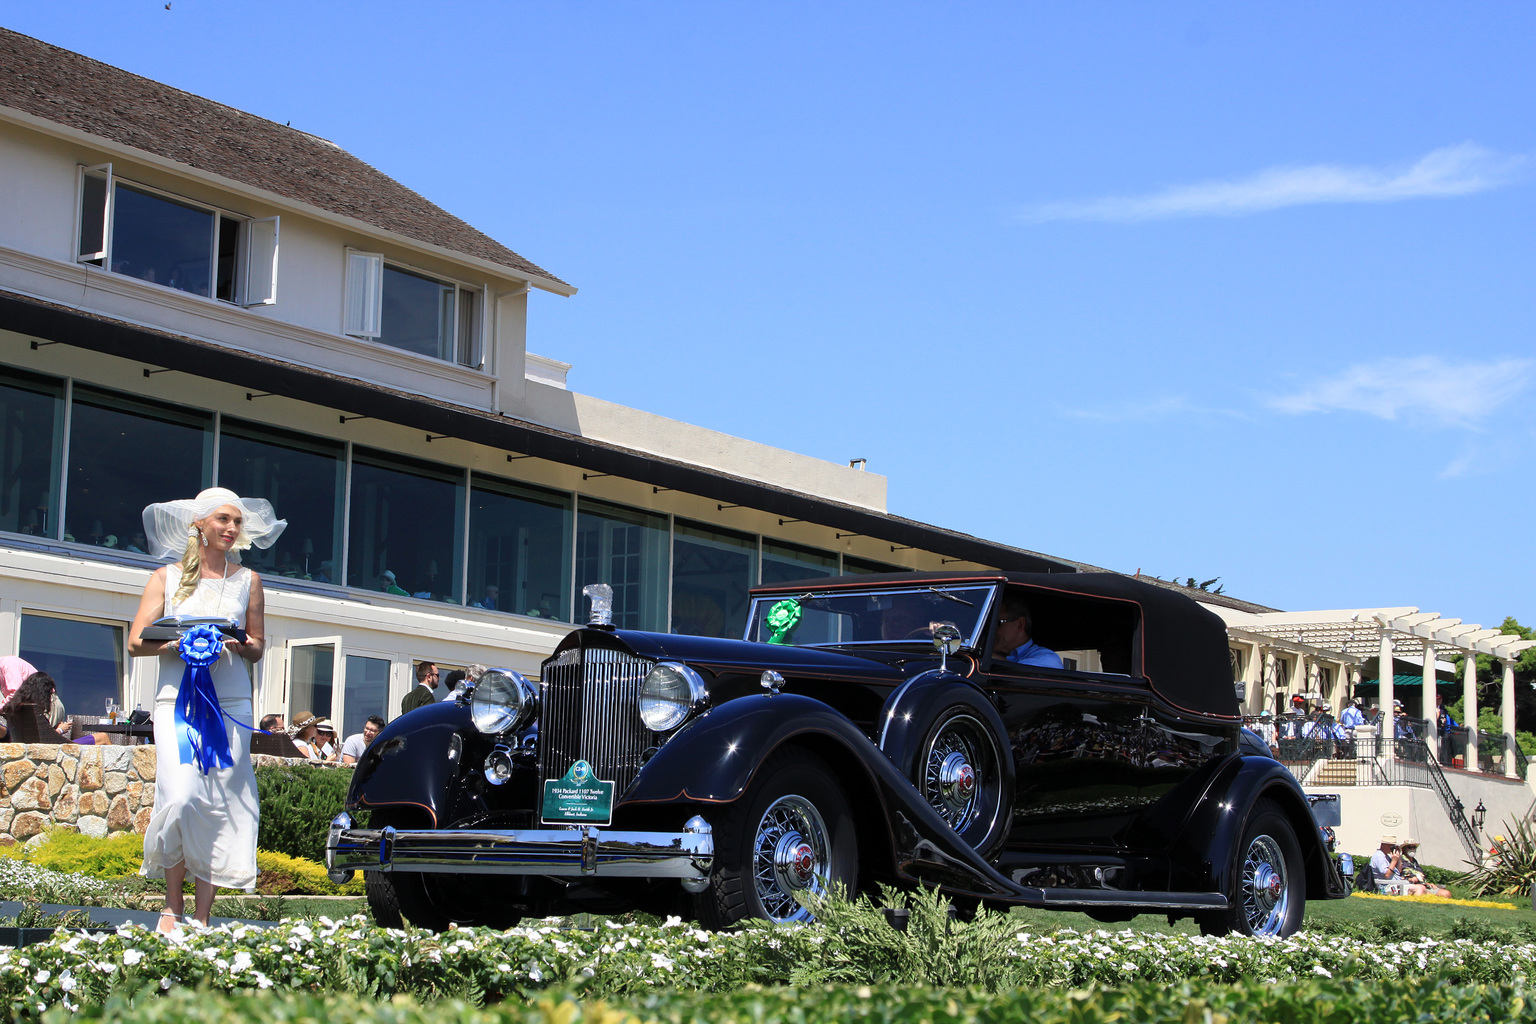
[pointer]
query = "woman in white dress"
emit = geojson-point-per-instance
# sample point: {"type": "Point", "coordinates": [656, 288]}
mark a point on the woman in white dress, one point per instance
{"type": "Point", "coordinates": [204, 823]}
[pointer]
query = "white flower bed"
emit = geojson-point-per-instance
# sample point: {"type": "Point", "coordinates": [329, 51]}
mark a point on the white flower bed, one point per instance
{"type": "Point", "coordinates": [352, 955]}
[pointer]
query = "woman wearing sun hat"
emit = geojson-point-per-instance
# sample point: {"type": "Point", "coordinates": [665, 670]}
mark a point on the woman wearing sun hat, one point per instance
{"type": "Point", "coordinates": [326, 747]}
{"type": "Point", "coordinates": [206, 809]}
{"type": "Point", "coordinates": [304, 734]}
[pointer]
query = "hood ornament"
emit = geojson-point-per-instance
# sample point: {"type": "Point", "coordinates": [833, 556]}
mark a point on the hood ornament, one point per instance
{"type": "Point", "coordinates": [601, 596]}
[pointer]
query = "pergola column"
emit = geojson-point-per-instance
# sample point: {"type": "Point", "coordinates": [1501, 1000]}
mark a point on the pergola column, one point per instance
{"type": "Point", "coordinates": [1253, 672]}
{"type": "Point", "coordinates": [1268, 654]}
{"type": "Point", "coordinates": [1509, 719]}
{"type": "Point", "coordinates": [1469, 706]}
{"type": "Point", "coordinates": [1384, 675]}
{"type": "Point", "coordinates": [1432, 731]}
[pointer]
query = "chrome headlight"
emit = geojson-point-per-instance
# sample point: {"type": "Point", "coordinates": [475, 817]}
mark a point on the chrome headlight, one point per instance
{"type": "Point", "coordinates": [670, 693]}
{"type": "Point", "coordinates": [502, 701]}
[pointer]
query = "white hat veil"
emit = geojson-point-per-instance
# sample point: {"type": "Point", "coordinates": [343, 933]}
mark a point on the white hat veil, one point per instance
{"type": "Point", "coordinates": [167, 524]}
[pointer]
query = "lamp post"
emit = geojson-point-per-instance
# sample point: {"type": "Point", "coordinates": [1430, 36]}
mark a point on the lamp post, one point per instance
{"type": "Point", "coordinates": [1479, 815]}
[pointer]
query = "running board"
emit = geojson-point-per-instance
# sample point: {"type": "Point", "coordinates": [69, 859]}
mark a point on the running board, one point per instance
{"type": "Point", "coordinates": [1152, 901]}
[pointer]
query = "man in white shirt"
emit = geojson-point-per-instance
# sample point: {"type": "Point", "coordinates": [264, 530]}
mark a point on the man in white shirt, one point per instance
{"type": "Point", "coordinates": [353, 746]}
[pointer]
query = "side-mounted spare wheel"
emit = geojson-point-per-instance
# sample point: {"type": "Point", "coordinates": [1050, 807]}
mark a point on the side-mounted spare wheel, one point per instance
{"type": "Point", "coordinates": [790, 834]}
{"type": "Point", "coordinates": [960, 772]}
{"type": "Point", "coordinates": [1269, 886]}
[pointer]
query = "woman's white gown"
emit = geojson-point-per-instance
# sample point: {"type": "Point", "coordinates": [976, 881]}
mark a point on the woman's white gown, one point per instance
{"type": "Point", "coordinates": [210, 820]}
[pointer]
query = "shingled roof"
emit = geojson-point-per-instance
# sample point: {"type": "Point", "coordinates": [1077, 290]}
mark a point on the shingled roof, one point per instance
{"type": "Point", "coordinates": [75, 91]}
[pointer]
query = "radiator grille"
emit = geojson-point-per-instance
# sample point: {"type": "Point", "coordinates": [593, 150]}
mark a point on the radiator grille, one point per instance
{"type": "Point", "coordinates": [590, 710]}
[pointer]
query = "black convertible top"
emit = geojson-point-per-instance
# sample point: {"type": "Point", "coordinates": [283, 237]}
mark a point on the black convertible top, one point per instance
{"type": "Point", "coordinates": [1177, 645]}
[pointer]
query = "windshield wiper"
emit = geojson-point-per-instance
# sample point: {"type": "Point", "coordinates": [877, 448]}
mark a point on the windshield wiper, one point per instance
{"type": "Point", "coordinates": [951, 597]}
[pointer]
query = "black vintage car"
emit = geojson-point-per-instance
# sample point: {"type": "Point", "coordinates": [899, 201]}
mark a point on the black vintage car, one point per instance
{"type": "Point", "coordinates": [865, 732]}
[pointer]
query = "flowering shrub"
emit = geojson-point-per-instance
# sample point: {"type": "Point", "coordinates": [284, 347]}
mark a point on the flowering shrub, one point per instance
{"type": "Point", "coordinates": [1445, 900]}
{"type": "Point", "coordinates": [630, 961]}
{"type": "Point", "coordinates": [1324, 1002]}
{"type": "Point", "coordinates": [20, 880]}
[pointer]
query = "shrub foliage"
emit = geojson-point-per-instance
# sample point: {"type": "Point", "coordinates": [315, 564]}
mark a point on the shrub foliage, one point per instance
{"type": "Point", "coordinates": [297, 805]}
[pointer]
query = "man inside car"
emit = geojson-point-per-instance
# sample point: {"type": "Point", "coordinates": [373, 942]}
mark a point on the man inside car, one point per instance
{"type": "Point", "coordinates": [1013, 641]}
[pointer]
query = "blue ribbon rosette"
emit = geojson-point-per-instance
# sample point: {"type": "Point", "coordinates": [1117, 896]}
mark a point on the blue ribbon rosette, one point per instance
{"type": "Point", "coordinates": [200, 732]}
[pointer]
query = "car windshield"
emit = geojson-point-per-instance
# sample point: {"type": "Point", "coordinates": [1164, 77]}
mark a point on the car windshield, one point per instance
{"type": "Point", "coordinates": [869, 616]}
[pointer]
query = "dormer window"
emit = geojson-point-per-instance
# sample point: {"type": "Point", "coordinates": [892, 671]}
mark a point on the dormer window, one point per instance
{"type": "Point", "coordinates": [407, 309]}
{"type": "Point", "coordinates": [141, 232]}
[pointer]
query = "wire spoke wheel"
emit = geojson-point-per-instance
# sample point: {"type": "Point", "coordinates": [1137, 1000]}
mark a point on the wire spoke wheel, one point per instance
{"type": "Point", "coordinates": [790, 855]}
{"type": "Point", "coordinates": [959, 766]}
{"type": "Point", "coordinates": [1265, 887]}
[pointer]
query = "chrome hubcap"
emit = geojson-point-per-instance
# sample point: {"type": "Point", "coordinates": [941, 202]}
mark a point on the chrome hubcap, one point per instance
{"type": "Point", "coordinates": [956, 770]}
{"type": "Point", "coordinates": [790, 854]}
{"type": "Point", "coordinates": [1266, 896]}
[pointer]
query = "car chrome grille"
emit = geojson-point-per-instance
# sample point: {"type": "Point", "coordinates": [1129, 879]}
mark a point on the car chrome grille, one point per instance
{"type": "Point", "coordinates": [590, 709]}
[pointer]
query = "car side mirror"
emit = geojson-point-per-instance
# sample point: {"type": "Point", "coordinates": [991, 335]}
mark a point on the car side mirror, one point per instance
{"type": "Point", "coordinates": [946, 640]}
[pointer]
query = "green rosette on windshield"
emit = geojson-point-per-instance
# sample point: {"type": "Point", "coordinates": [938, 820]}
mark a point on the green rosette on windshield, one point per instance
{"type": "Point", "coordinates": [782, 619]}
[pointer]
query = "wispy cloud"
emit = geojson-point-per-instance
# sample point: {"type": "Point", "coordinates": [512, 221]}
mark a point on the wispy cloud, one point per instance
{"type": "Point", "coordinates": [1428, 387]}
{"type": "Point", "coordinates": [1449, 171]}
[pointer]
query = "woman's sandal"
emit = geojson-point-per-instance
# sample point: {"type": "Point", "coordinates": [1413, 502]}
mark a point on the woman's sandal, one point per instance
{"type": "Point", "coordinates": [175, 919]}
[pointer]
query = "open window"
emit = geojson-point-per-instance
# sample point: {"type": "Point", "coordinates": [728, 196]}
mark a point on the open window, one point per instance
{"type": "Point", "coordinates": [1091, 634]}
{"type": "Point", "coordinates": [141, 232]}
{"type": "Point", "coordinates": [407, 309]}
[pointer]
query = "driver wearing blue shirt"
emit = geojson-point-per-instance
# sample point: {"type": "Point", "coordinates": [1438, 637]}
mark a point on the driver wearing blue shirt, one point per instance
{"type": "Point", "coordinates": [1013, 643]}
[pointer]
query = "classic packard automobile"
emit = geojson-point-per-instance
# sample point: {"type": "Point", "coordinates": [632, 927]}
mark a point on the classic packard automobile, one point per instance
{"type": "Point", "coordinates": [865, 732]}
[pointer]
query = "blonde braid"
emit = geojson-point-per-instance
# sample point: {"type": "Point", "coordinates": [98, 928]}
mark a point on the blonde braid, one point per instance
{"type": "Point", "coordinates": [191, 565]}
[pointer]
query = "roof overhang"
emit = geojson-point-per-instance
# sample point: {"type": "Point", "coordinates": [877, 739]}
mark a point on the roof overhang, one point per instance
{"type": "Point", "coordinates": [1357, 633]}
{"type": "Point", "coordinates": [51, 322]}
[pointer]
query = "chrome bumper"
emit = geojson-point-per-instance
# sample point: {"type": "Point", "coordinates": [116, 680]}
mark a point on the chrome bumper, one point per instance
{"type": "Point", "coordinates": [575, 852]}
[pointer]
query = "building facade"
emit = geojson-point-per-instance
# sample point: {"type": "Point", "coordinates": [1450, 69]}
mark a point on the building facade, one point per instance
{"type": "Point", "coordinates": [191, 295]}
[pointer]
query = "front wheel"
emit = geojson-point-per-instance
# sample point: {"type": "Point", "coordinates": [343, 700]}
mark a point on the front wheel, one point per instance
{"type": "Point", "coordinates": [790, 835]}
{"type": "Point", "coordinates": [1268, 892]}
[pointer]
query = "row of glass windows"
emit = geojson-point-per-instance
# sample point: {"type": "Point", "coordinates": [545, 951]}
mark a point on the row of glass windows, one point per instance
{"type": "Point", "coordinates": [140, 232]}
{"type": "Point", "coordinates": [79, 463]}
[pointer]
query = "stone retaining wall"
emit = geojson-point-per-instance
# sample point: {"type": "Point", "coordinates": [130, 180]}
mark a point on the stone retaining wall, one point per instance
{"type": "Point", "coordinates": [96, 790]}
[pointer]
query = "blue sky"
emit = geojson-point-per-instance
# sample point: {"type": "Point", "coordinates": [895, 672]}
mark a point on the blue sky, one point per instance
{"type": "Point", "coordinates": [1202, 289]}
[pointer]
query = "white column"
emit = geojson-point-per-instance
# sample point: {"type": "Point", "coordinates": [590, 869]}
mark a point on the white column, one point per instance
{"type": "Point", "coordinates": [1384, 676]}
{"type": "Point", "coordinates": [1509, 718]}
{"type": "Point", "coordinates": [1432, 731]}
{"type": "Point", "coordinates": [1469, 705]}
{"type": "Point", "coordinates": [1253, 681]}
{"type": "Point", "coordinates": [1268, 654]}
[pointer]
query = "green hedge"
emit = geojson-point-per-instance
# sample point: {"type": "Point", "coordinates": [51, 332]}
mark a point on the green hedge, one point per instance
{"type": "Point", "coordinates": [1324, 1002]}
{"type": "Point", "coordinates": [297, 805]}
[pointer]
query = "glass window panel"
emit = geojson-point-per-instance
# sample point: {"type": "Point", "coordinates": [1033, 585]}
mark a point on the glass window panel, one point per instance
{"type": "Point", "coordinates": [418, 313]}
{"type": "Point", "coordinates": [407, 527]}
{"type": "Point", "coordinates": [93, 215]}
{"type": "Point", "coordinates": [229, 239]}
{"type": "Point", "coordinates": [520, 549]}
{"type": "Point", "coordinates": [712, 570]}
{"type": "Point", "coordinates": [311, 671]}
{"type": "Point", "coordinates": [85, 660]}
{"type": "Point", "coordinates": [367, 692]}
{"type": "Point", "coordinates": [304, 479]}
{"type": "Point", "coordinates": [31, 432]}
{"type": "Point", "coordinates": [863, 567]}
{"type": "Point", "coordinates": [469, 327]}
{"type": "Point", "coordinates": [783, 563]}
{"type": "Point", "coordinates": [160, 240]}
{"type": "Point", "coordinates": [626, 549]}
{"type": "Point", "coordinates": [125, 453]}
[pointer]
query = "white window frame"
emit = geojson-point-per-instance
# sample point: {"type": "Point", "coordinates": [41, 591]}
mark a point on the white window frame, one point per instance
{"type": "Point", "coordinates": [363, 304]}
{"type": "Point", "coordinates": [254, 246]}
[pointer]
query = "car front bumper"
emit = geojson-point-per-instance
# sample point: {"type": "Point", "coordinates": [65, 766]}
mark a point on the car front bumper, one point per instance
{"type": "Point", "coordinates": [565, 852]}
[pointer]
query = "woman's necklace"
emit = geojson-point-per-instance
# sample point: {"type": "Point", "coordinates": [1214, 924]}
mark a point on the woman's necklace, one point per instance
{"type": "Point", "coordinates": [223, 582]}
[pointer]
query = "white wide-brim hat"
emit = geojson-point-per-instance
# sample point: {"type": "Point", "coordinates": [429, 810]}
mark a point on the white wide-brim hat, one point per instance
{"type": "Point", "coordinates": [167, 524]}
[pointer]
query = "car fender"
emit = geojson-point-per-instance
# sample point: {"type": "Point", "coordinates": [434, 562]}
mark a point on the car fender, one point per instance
{"type": "Point", "coordinates": [1212, 834]}
{"type": "Point", "coordinates": [713, 759]}
{"type": "Point", "coordinates": [414, 762]}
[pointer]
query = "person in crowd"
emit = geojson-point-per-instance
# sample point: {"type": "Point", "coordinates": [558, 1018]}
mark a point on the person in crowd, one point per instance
{"type": "Point", "coordinates": [426, 686]}
{"type": "Point", "coordinates": [327, 747]}
{"type": "Point", "coordinates": [1402, 727]}
{"type": "Point", "coordinates": [1373, 714]}
{"type": "Point", "coordinates": [1387, 863]}
{"type": "Point", "coordinates": [1410, 868]}
{"type": "Point", "coordinates": [1353, 716]}
{"type": "Point", "coordinates": [1014, 629]}
{"type": "Point", "coordinates": [1265, 727]}
{"type": "Point", "coordinates": [304, 734]}
{"type": "Point", "coordinates": [13, 672]}
{"type": "Point", "coordinates": [204, 823]}
{"type": "Point", "coordinates": [492, 595]}
{"type": "Point", "coordinates": [388, 584]}
{"type": "Point", "coordinates": [353, 746]}
{"type": "Point", "coordinates": [272, 723]}
{"type": "Point", "coordinates": [26, 714]}
{"type": "Point", "coordinates": [457, 683]}
{"type": "Point", "coordinates": [1445, 727]}
{"type": "Point", "coordinates": [1293, 735]}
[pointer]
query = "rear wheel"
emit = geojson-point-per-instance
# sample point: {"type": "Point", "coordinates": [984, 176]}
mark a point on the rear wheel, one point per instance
{"type": "Point", "coordinates": [1269, 888]}
{"type": "Point", "coordinates": [790, 835]}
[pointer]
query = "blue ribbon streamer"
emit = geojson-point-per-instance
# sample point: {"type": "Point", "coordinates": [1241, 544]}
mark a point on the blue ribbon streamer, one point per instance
{"type": "Point", "coordinates": [200, 732]}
